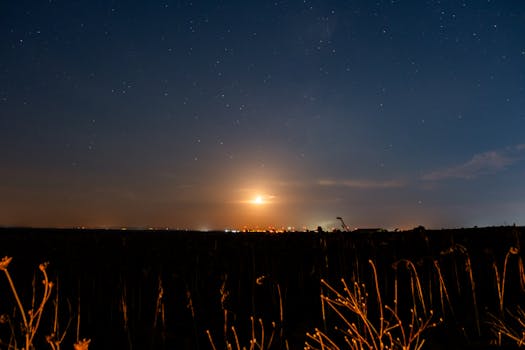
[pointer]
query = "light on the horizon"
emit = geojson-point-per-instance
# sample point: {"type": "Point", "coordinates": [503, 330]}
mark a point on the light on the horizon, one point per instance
{"type": "Point", "coordinates": [258, 200]}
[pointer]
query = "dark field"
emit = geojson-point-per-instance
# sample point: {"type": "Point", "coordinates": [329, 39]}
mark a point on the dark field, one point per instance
{"type": "Point", "coordinates": [165, 289]}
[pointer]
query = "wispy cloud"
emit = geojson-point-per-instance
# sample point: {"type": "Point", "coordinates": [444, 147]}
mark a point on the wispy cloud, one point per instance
{"type": "Point", "coordinates": [361, 184]}
{"type": "Point", "coordinates": [480, 164]}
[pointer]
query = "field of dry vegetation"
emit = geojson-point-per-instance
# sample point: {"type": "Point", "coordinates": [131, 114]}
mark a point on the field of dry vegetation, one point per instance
{"type": "Point", "coordinates": [419, 289]}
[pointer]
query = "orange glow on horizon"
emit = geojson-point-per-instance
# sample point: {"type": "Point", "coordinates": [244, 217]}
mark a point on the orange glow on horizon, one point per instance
{"type": "Point", "coordinates": [258, 200]}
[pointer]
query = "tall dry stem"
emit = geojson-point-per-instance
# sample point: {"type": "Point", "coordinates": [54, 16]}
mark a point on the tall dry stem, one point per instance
{"type": "Point", "coordinates": [362, 329]}
{"type": "Point", "coordinates": [159, 306]}
{"type": "Point", "coordinates": [224, 297]}
{"type": "Point", "coordinates": [513, 326]}
{"type": "Point", "coordinates": [462, 251]}
{"type": "Point", "coordinates": [32, 317]}
{"type": "Point", "coordinates": [443, 292]}
{"type": "Point", "coordinates": [500, 282]}
{"type": "Point", "coordinates": [56, 337]}
{"type": "Point", "coordinates": [415, 285]}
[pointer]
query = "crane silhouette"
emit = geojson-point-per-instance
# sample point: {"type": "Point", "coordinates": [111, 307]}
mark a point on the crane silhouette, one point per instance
{"type": "Point", "coordinates": [343, 225]}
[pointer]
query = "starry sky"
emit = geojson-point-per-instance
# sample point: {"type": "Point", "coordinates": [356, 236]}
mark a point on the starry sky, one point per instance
{"type": "Point", "coordinates": [181, 113]}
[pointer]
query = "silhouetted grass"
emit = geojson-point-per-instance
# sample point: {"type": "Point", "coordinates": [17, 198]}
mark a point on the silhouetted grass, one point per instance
{"type": "Point", "coordinates": [266, 291]}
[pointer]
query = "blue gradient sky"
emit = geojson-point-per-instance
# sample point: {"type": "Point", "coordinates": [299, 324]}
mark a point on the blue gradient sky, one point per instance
{"type": "Point", "coordinates": [177, 113]}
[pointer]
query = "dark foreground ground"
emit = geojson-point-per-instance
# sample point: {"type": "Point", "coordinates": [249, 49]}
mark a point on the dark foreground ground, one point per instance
{"type": "Point", "coordinates": [164, 289]}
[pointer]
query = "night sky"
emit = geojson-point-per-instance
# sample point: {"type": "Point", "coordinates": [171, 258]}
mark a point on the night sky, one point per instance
{"type": "Point", "coordinates": [181, 114]}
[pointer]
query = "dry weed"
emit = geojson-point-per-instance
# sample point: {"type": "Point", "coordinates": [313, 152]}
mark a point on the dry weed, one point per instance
{"type": "Point", "coordinates": [363, 329]}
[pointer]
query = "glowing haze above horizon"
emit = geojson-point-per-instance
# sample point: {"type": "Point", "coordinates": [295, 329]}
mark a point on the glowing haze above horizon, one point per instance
{"type": "Point", "coordinates": [225, 114]}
